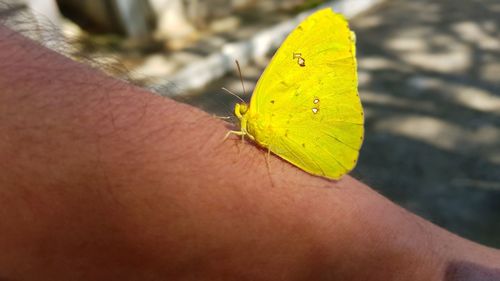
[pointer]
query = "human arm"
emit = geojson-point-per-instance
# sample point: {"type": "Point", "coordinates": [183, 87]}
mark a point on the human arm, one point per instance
{"type": "Point", "coordinates": [101, 180]}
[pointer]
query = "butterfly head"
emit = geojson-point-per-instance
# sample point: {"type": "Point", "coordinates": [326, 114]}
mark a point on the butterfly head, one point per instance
{"type": "Point", "coordinates": [240, 109]}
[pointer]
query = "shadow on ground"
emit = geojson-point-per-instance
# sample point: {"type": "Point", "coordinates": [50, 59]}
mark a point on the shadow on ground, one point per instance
{"type": "Point", "coordinates": [429, 84]}
{"type": "Point", "coordinates": [429, 72]}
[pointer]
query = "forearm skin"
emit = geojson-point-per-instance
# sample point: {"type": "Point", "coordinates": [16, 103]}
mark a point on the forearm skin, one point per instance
{"type": "Point", "coordinates": [100, 180]}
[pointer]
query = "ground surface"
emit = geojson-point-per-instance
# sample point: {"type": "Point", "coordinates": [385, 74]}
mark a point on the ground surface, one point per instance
{"type": "Point", "coordinates": [429, 80]}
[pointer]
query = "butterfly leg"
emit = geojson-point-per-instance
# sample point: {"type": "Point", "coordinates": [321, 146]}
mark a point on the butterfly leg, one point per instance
{"type": "Point", "coordinates": [268, 164]}
{"type": "Point", "coordinates": [238, 133]}
{"type": "Point", "coordinates": [267, 159]}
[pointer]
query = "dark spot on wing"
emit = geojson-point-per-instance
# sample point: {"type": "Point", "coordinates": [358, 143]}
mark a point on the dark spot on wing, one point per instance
{"type": "Point", "coordinates": [300, 60]}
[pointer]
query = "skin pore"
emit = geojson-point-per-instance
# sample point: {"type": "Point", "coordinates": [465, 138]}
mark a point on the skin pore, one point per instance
{"type": "Point", "coordinates": [101, 180]}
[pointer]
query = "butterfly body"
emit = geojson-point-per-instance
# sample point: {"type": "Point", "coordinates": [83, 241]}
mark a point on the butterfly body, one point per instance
{"type": "Point", "coordinates": [305, 107]}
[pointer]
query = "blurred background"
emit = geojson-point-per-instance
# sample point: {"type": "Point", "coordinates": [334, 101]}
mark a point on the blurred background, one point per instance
{"type": "Point", "coordinates": [428, 79]}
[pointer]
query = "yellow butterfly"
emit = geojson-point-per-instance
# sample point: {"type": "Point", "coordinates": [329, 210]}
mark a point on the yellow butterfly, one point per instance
{"type": "Point", "coordinates": [305, 107]}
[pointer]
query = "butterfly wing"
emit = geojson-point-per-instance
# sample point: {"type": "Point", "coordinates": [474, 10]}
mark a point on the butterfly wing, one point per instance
{"type": "Point", "coordinates": [307, 101]}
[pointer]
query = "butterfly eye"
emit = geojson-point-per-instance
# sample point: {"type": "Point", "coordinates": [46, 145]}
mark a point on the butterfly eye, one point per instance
{"type": "Point", "coordinates": [243, 108]}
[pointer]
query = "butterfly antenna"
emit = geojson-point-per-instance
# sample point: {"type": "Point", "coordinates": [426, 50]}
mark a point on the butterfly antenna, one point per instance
{"type": "Point", "coordinates": [231, 93]}
{"type": "Point", "coordinates": [241, 77]}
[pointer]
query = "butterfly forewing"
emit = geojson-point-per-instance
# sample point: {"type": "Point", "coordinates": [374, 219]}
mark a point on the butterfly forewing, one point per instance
{"type": "Point", "coordinates": [308, 98]}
